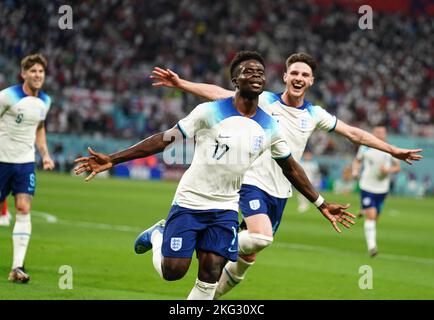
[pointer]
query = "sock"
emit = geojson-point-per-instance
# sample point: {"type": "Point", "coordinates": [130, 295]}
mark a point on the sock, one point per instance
{"type": "Point", "coordinates": [157, 242]}
{"type": "Point", "coordinates": [202, 291]}
{"type": "Point", "coordinates": [233, 273]}
{"type": "Point", "coordinates": [371, 233]}
{"type": "Point", "coordinates": [20, 238]}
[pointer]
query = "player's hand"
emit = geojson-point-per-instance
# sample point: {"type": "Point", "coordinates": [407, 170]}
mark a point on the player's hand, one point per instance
{"type": "Point", "coordinates": [48, 163]}
{"type": "Point", "coordinates": [336, 213]}
{"type": "Point", "coordinates": [355, 174]}
{"type": "Point", "coordinates": [407, 155]}
{"type": "Point", "coordinates": [96, 163]}
{"type": "Point", "coordinates": [165, 78]}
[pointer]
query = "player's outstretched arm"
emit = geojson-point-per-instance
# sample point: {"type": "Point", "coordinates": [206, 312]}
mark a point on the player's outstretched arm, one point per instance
{"type": "Point", "coordinates": [359, 136]}
{"type": "Point", "coordinates": [170, 79]}
{"type": "Point", "coordinates": [335, 213]}
{"type": "Point", "coordinates": [98, 162]}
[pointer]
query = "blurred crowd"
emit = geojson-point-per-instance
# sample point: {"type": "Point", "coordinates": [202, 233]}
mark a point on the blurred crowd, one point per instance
{"type": "Point", "coordinates": [99, 71]}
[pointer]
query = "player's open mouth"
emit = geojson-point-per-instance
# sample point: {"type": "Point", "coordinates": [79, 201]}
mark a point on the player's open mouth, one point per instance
{"type": "Point", "coordinates": [256, 84]}
{"type": "Point", "coordinates": [297, 86]}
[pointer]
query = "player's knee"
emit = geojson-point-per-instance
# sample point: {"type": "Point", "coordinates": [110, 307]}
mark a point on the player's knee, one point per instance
{"type": "Point", "coordinates": [23, 208]}
{"type": "Point", "coordinates": [172, 275]}
{"type": "Point", "coordinates": [249, 257]}
{"type": "Point", "coordinates": [172, 272]}
{"type": "Point", "coordinates": [250, 243]}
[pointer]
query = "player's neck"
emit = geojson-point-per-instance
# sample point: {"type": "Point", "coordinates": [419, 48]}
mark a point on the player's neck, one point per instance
{"type": "Point", "coordinates": [246, 106]}
{"type": "Point", "coordinates": [30, 92]}
{"type": "Point", "coordinates": [292, 101]}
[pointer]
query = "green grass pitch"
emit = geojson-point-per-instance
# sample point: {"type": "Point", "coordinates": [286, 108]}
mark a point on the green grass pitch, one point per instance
{"type": "Point", "coordinates": [97, 223]}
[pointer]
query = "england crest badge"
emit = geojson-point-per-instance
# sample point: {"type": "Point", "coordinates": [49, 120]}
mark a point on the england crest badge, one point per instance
{"type": "Point", "coordinates": [175, 243]}
{"type": "Point", "coordinates": [257, 143]}
{"type": "Point", "coordinates": [254, 204]}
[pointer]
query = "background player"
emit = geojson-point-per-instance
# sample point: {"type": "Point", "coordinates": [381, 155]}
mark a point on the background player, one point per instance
{"type": "Point", "coordinates": [311, 167]}
{"type": "Point", "coordinates": [377, 166]}
{"type": "Point", "coordinates": [23, 109]}
{"type": "Point", "coordinates": [230, 135]}
{"type": "Point", "coordinates": [264, 191]}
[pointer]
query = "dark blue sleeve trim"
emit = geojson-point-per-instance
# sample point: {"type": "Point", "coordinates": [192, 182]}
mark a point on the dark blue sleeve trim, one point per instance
{"type": "Point", "coordinates": [182, 130]}
{"type": "Point", "coordinates": [334, 127]}
{"type": "Point", "coordinates": [282, 157]}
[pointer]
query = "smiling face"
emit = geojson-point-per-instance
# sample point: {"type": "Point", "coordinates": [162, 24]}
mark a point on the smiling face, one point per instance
{"type": "Point", "coordinates": [249, 78]}
{"type": "Point", "coordinates": [298, 79]}
{"type": "Point", "coordinates": [34, 77]}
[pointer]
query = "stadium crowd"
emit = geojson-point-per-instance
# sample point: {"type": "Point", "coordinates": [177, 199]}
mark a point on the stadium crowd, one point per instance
{"type": "Point", "coordinates": [99, 71]}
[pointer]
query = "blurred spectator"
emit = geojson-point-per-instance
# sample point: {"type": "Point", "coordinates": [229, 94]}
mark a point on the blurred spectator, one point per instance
{"type": "Point", "coordinates": [428, 185]}
{"type": "Point", "coordinates": [414, 187]}
{"type": "Point", "coordinates": [59, 158]}
{"type": "Point", "coordinates": [99, 70]}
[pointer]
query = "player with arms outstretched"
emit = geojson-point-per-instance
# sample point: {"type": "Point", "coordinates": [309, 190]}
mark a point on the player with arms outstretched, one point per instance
{"type": "Point", "coordinates": [23, 109]}
{"type": "Point", "coordinates": [265, 190]}
{"type": "Point", "coordinates": [230, 135]}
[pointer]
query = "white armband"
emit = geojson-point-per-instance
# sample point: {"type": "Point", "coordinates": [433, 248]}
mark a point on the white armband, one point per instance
{"type": "Point", "coordinates": [318, 202]}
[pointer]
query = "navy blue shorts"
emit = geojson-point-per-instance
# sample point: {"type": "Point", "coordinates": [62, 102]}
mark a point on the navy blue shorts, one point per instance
{"type": "Point", "coordinates": [187, 230]}
{"type": "Point", "coordinates": [18, 178]}
{"type": "Point", "coordinates": [254, 200]}
{"type": "Point", "coordinates": [370, 200]}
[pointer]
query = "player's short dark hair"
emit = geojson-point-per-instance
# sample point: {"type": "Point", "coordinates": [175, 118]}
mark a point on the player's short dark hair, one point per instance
{"type": "Point", "coordinates": [244, 56]}
{"type": "Point", "coordinates": [30, 60]}
{"type": "Point", "coordinates": [302, 57]}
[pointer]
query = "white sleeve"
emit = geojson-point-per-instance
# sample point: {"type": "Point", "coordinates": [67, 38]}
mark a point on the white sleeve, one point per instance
{"type": "Point", "coordinates": [279, 147]}
{"type": "Point", "coordinates": [195, 121]}
{"type": "Point", "coordinates": [324, 120]}
{"type": "Point", "coordinates": [4, 102]}
{"type": "Point", "coordinates": [48, 104]}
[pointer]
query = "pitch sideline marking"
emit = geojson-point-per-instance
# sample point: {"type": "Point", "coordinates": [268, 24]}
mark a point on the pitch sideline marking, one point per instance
{"type": "Point", "coordinates": [50, 218]}
{"type": "Point", "coordinates": [84, 224]}
{"type": "Point", "coordinates": [387, 256]}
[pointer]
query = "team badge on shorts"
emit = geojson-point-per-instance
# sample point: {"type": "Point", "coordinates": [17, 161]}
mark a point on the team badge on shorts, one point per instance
{"type": "Point", "coordinates": [254, 204]}
{"type": "Point", "coordinates": [175, 244]}
{"type": "Point", "coordinates": [366, 201]}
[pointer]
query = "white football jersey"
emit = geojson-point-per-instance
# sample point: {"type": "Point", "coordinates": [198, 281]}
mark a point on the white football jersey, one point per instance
{"type": "Point", "coordinates": [227, 143]}
{"type": "Point", "coordinates": [371, 178]}
{"type": "Point", "coordinates": [296, 126]}
{"type": "Point", "coordinates": [20, 115]}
